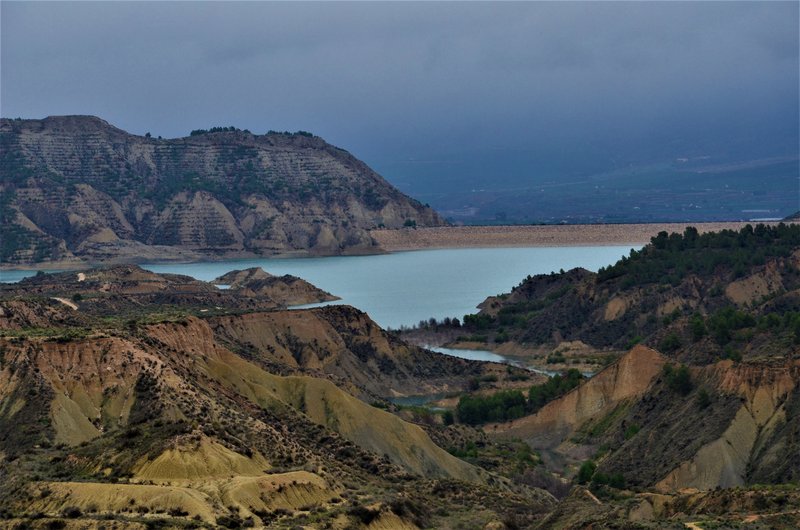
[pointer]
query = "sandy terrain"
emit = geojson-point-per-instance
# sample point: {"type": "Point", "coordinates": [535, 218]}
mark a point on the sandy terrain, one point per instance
{"type": "Point", "coordinates": [533, 236]}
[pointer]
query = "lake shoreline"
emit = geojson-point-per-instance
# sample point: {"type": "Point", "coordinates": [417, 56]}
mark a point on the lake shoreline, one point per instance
{"type": "Point", "coordinates": [390, 241]}
{"type": "Point", "coordinates": [403, 288]}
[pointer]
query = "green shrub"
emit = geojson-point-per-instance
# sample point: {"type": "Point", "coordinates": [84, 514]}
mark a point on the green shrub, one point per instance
{"type": "Point", "coordinates": [558, 385]}
{"type": "Point", "coordinates": [616, 480]}
{"type": "Point", "coordinates": [703, 399]}
{"type": "Point", "coordinates": [448, 418]}
{"type": "Point", "coordinates": [697, 326]}
{"type": "Point", "coordinates": [631, 431]}
{"type": "Point", "coordinates": [678, 379]}
{"type": "Point", "coordinates": [670, 344]}
{"type": "Point", "coordinates": [586, 472]}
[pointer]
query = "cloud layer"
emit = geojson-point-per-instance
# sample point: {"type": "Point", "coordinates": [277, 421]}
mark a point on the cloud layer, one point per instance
{"type": "Point", "coordinates": [394, 82]}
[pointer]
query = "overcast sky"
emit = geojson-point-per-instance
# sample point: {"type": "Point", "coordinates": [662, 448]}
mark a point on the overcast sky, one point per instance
{"type": "Point", "coordinates": [400, 81]}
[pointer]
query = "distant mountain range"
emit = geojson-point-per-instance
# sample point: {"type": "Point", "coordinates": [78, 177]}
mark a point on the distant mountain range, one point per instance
{"type": "Point", "coordinates": [77, 188]}
{"type": "Point", "coordinates": [680, 184]}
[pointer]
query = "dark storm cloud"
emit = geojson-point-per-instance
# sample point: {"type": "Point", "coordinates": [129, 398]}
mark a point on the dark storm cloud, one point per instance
{"type": "Point", "coordinates": [398, 80]}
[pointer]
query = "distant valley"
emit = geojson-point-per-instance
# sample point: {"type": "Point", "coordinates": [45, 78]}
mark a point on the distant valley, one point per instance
{"type": "Point", "coordinates": [516, 187]}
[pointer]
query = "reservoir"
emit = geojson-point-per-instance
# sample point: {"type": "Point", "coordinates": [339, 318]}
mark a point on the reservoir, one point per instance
{"type": "Point", "coordinates": [400, 289]}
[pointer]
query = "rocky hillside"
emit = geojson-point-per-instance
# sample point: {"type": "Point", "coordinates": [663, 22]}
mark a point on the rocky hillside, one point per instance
{"type": "Point", "coordinates": [690, 295]}
{"type": "Point", "coordinates": [291, 290]}
{"type": "Point", "coordinates": [339, 342]}
{"type": "Point", "coordinates": [130, 291]}
{"type": "Point", "coordinates": [697, 422]}
{"type": "Point", "coordinates": [218, 416]}
{"type": "Point", "coordinates": [76, 188]}
{"type": "Point", "coordinates": [667, 427]}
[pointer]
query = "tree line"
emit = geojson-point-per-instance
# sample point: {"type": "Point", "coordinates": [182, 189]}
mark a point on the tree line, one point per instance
{"type": "Point", "coordinates": [669, 257]}
{"type": "Point", "coordinates": [511, 404]}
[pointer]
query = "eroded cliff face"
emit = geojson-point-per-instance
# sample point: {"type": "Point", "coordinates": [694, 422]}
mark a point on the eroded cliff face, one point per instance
{"type": "Point", "coordinates": [75, 186]}
{"type": "Point", "coordinates": [627, 378]}
{"type": "Point", "coordinates": [738, 425]}
{"type": "Point", "coordinates": [343, 344]}
{"type": "Point", "coordinates": [760, 443]}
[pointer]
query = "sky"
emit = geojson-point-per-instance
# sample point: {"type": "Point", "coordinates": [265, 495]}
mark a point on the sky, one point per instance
{"type": "Point", "coordinates": [413, 88]}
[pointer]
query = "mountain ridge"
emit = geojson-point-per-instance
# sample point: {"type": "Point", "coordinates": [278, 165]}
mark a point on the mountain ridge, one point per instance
{"type": "Point", "coordinates": [78, 188]}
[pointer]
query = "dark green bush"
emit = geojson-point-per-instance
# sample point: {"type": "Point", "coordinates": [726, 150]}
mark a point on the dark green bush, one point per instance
{"type": "Point", "coordinates": [558, 385]}
{"type": "Point", "coordinates": [501, 406]}
{"type": "Point", "coordinates": [670, 344]}
{"type": "Point", "coordinates": [678, 379]}
{"type": "Point", "coordinates": [586, 472]}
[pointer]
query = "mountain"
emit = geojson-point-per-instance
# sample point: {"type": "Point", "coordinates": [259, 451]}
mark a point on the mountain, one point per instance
{"type": "Point", "coordinates": [75, 188]}
{"type": "Point", "coordinates": [204, 414]}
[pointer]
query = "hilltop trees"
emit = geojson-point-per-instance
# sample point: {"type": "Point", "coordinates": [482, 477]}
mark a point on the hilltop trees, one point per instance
{"type": "Point", "coordinates": [669, 257]}
{"type": "Point", "coordinates": [197, 132]}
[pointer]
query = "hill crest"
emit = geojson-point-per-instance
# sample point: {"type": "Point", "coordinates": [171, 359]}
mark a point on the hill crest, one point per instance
{"type": "Point", "coordinates": [76, 188]}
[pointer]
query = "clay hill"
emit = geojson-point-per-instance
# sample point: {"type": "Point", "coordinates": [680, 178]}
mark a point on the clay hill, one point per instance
{"type": "Point", "coordinates": [117, 408]}
{"type": "Point", "coordinates": [75, 188]}
{"type": "Point", "coordinates": [291, 290]}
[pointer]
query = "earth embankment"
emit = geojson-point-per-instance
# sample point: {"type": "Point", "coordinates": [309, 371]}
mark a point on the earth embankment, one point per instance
{"type": "Point", "coordinates": [395, 240]}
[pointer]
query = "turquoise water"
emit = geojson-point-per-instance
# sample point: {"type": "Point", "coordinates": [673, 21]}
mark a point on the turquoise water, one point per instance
{"type": "Point", "coordinates": [13, 276]}
{"type": "Point", "coordinates": [406, 287]}
{"type": "Point", "coordinates": [472, 355]}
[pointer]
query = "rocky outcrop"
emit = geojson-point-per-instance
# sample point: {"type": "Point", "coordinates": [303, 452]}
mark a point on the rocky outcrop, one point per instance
{"type": "Point", "coordinates": [759, 442]}
{"type": "Point", "coordinates": [627, 378]}
{"type": "Point", "coordinates": [286, 290]}
{"type": "Point", "coordinates": [343, 344]}
{"type": "Point", "coordinates": [75, 186]}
